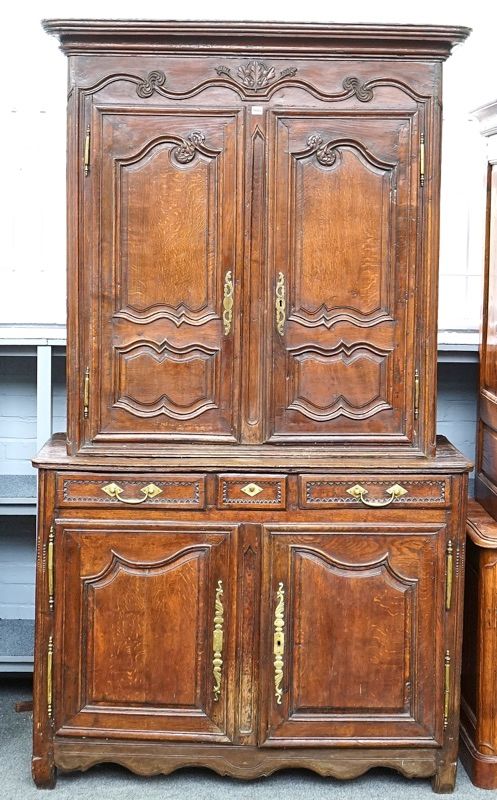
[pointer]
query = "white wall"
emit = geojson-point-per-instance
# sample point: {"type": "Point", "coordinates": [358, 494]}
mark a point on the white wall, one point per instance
{"type": "Point", "coordinates": [32, 121]}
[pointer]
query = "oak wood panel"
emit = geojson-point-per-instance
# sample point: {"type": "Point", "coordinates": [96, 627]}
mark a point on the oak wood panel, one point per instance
{"type": "Point", "coordinates": [134, 621]}
{"type": "Point", "coordinates": [363, 654]}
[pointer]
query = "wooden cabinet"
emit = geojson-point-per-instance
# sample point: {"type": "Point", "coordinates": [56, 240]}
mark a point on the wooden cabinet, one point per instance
{"type": "Point", "coordinates": [247, 542]}
{"type": "Point", "coordinates": [479, 697]}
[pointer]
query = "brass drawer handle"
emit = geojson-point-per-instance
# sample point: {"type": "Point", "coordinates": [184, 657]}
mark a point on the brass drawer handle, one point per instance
{"type": "Point", "coordinates": [115, 491]}
{"type": "Point", "coordinates": [279, 642]}
{"type": "Point", "coordinates": [280, 303]}
{"type": "Point", "coordinates": [217, 641]}
{"type": "Point", "coordinates": [394, 491]}
{"type": "Point", "coordinates": [228, 302]}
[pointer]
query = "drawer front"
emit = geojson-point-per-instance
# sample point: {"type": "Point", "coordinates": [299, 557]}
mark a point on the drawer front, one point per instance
{"type": "Point", "coordinates": [322, 491]}
{"type": "Point", "coordinates": [144, 491]}
{"type": "Point", "coordinates": [251, 491]}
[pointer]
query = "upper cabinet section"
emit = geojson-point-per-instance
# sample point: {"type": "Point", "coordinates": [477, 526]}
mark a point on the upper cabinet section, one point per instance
{"type": "Point", "coordinates": [253, 234]}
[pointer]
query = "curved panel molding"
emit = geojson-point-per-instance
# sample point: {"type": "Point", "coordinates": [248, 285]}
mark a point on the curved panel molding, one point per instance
{"type": "Point", "coordinates": [322, 387]}
{"type": "Point", "coordinates": [187, 373]}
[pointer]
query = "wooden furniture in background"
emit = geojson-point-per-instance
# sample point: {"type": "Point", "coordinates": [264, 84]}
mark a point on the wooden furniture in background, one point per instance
{"type": "Point", "coordinates": [249, 553]}
{"type": "Point", "coordinates": [479, 684]}
{"type": "Point", "coordinates": [486, 458]}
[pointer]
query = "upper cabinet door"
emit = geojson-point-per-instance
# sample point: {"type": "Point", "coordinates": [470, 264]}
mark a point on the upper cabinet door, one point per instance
{"type": "Point", "coordinates": [164, 286]}
{"type": "Point", "coordinates": [343, 256]}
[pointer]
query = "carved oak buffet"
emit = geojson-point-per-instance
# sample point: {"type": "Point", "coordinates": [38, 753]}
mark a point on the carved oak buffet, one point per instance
{"type": "Point", "coordinates": [253, 233]}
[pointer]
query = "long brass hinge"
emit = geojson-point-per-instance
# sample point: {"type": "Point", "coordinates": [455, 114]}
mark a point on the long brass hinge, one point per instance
{"type": "Point", "coordinates": [446, 688]}
{"type": "Point", "coordinates": [86, 393]}
{"type": "Point", "coordinates": [87, 150]}
{"type": "Point", "coordinates": [416, 393]}
{"type": "Point", "coordinates": [422, 159]}
{"type": "Point", "coordinates": [49, 677]}
{"type": "Point", "coordinates": [449, 574]}
{"type": "Point", "coordinates": [50, 553]}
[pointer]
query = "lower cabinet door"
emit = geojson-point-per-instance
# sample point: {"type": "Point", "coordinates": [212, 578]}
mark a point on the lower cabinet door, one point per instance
{"type": "Point", "coordinates": [353, 635]}
{"type": "Point", "coordinates": [143, 645]}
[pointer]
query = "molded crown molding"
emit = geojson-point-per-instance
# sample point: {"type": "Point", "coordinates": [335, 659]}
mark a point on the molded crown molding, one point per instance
{"type": "Point", "coordinates": [129, 36]}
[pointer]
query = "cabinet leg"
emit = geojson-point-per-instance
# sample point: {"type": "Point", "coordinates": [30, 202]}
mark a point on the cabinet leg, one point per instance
{"type": "Point", "coordinates": [444, 780]}
{"type": "Point", "coordinates": [43, 772]}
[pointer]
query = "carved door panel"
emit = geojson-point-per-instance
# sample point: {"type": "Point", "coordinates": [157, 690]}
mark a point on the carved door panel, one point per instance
{"type": "Point", "coordinates": [344, 253]}
{"type": "Point", "coordinates": [144, 630]}
{"type": "Point", "coordinates": [165, 321]}
{"type": "Point", "coordinates": [354, 642]}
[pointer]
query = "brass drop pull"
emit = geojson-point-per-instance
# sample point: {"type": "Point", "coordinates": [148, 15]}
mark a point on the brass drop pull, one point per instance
{"type": "Point", "coordinates": [280, 303]}
{"type": "Point", "coordinates": [394, 491]}
{"type": "Point", "coordinates": [228, 302]}
{"type": "Point", "coordinates": [279, 642]}
{"type": "Point", "coordinates": [115, 491]}
{"type": "Point", "coordinates": [217, 641]}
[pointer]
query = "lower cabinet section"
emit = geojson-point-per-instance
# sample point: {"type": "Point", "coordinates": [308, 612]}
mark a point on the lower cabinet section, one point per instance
{"type": "Point", "coordinates": [248, 639]}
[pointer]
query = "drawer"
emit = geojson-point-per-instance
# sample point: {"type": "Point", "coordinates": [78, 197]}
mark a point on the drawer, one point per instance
{"type": "Point", "coordinates": [320, 491]}
{"type": "Point", "coordinates": [143, 490]}
{"type": "Point", "coordinates": [251, 491]}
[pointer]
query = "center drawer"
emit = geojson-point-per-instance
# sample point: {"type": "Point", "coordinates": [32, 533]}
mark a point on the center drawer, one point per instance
{"type": "Point", "coordinates": [146, 490]}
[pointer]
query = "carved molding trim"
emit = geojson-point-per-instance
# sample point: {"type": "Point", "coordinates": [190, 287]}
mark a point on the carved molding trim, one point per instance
{"type": "Point", "coordinates": [161, 353]}
{"type": "Point", "coordinates": [185, 152]}
{"type": "Point", "coordinates": [178, 315]}
{"type": "Point", "coordinates": [258, 78]}
{"type": "Point", "coordinates": [153, 81]}
{"type": "Point", "coordinates": [256, 75]}
{"type": "Point", "coordinates": [332, 316]}
{"type": "Point", "coordinates": [326, 152]}
{"type": "Point", "coordinates": [340, 405]}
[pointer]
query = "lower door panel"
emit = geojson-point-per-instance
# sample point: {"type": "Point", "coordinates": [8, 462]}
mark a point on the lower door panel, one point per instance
{"type": "Point", "coordinates": [353, 636]}
{"type": "Point", "coordinates": [136, 610]}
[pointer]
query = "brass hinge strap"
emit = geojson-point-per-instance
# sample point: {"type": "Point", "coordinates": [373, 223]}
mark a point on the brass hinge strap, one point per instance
{"type": "Point", "coordinates": [86, 393]}
{"type": "Point", "coordinates": [450, 574]}
{"type": "Point", "coordinates": [422, 160]}
{"type": "Point", "coordinates": [446, 688]}
{"type": "Point", "coordinates": [87, 150]}
{"type": "Point", "coordinates": [217, 640]}
{"type": "Point", "coordinates": [416, 394]}
{"type": "Point", "coordinates": [50, 567]}
{"type": "Point", "coordinates": [49, 677]}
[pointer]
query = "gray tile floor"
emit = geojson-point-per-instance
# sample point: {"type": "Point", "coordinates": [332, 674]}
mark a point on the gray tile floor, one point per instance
{"type": "Point", "coordinates": [107, 782]}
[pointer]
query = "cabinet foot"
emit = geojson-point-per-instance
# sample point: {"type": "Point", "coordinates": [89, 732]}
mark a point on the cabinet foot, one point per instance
{"type": "Point", "coordinates": [43, 772]}
{"type": "Point", "coordinates": [444, 780]}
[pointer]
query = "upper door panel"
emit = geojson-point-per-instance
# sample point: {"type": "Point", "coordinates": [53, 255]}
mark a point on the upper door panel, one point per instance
{"type": "Point", "coordinates": [165, 339]}
{"type": "Point", "coordinates": [343, 256]}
